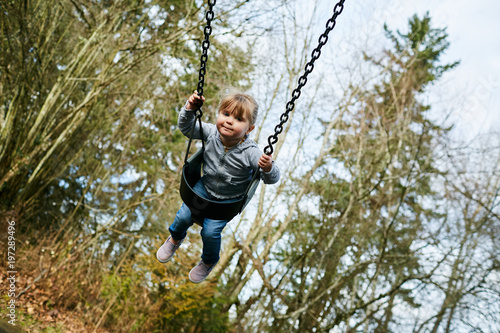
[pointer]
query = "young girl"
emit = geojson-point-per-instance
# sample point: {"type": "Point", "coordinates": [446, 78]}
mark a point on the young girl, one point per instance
{"type": "Point", "coordinates": [230, 158]}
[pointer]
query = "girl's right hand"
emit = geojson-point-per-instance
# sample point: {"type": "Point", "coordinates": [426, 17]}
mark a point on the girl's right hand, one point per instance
{"type": "Point", "coordinates": [195, 101]}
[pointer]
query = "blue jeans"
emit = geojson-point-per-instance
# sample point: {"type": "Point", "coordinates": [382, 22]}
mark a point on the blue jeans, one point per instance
{"type": "Point", "coordinates": [210, 232]}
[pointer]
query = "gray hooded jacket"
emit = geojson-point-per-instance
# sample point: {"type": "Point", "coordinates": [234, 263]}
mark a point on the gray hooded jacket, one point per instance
{"type": "Point", "coordinates": [226, 175]}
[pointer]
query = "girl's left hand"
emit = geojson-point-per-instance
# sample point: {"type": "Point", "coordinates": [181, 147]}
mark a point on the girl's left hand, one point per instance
{"type": "Point", "coordinates": [266, 162]}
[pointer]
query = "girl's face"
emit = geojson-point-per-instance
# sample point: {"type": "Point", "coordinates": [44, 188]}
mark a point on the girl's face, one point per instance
{"type": "Point", "coordinates": [233, 128]}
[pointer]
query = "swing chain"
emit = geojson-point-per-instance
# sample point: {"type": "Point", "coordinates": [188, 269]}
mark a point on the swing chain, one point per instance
{"type": "Point", "coordinates": [209, 15]}
{"type": "Point", "coordinates": [330, 24]}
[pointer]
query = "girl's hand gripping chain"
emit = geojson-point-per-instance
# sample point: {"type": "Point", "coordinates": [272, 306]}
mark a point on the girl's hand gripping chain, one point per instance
{"type": "Point", "coordinates": [266, 162]}
{"type": "Point", "coordinates": [195, 101]}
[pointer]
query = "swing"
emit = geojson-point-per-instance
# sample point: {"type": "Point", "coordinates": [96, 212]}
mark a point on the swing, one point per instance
{"type": "Point", "coordinates": [201, 207]}
{"type": "Point", "coordinates": [191, 172]}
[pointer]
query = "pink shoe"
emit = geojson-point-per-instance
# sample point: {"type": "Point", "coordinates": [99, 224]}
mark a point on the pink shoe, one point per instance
{"type": "Point", "coordinates": [167, 250]}
{"type": "Point", "coordinates": [200, 272]}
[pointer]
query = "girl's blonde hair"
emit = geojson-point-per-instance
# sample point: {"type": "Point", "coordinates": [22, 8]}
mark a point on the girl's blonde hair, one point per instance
{"type": "Point", "coordinates": [239, 104]}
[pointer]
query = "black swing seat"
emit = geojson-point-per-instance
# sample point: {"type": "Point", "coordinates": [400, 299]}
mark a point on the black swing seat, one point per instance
{"type": "Point", "coordinates": [206, 208]}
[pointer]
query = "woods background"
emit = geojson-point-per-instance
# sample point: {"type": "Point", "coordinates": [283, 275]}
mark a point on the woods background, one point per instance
{"type": "Point", "coordinates": [384, 219]}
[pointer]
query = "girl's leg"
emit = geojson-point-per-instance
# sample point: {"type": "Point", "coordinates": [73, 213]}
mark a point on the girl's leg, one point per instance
{"type": "Point", "coordinates": [177, 230]}
{"type": "Point", "coordinates": [182, 222]}
{"type": "Point", "coordinates": [211, 236]}
{"type": "Point", "coordinates": [210, 232]}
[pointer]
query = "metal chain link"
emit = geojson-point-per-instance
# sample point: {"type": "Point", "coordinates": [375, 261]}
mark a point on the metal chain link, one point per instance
{"type": "Point", "coordinates": [330, 24]}
{"type": "Point", "coordinates": [209, 15]}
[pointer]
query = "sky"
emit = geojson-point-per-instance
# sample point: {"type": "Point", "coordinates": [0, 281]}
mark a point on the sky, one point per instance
{"type": "Point", "coordinates": [472, 90]}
